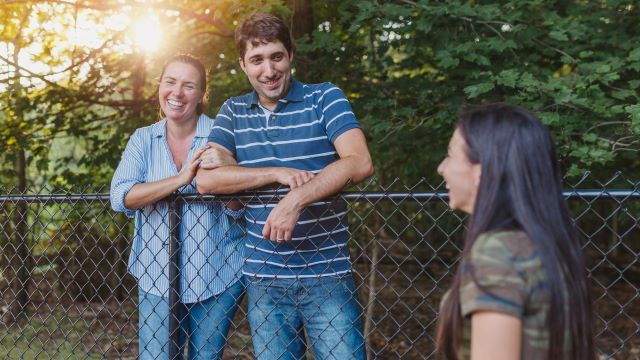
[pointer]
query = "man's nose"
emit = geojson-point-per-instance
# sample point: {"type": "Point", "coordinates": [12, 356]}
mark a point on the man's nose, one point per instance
{"type": "Point", "coordinates": [269, 69]}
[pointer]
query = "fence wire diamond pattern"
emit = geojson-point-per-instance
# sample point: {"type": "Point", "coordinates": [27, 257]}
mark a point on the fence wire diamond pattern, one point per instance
{"type": "Point", "coordinates": [65, 292]}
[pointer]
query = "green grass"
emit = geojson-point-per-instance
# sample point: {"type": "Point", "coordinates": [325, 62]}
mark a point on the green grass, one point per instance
{"type": "Point", "coordinates": [55, 337]}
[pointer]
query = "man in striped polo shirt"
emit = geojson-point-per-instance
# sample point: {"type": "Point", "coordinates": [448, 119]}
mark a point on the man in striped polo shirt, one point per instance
{"type": "Point", "coordinates": [302, 142]}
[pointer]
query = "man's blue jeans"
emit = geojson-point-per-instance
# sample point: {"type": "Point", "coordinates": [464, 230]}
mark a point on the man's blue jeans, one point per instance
{"type": "Point", "coordinates": [281, 311]}
{"type": "Point", "coordinates": [205, 324]}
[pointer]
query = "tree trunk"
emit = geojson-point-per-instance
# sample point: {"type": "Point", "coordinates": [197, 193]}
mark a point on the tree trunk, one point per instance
{"type": "Point", "coordinates": [301, 24]}
{"type": "Point", "coordinates": [372, 286]}
{"type": "Point", "coordinates": [137, 85]}
{"type": "Point", "coordinates": [302, 20]}
{"type": "Point", "coordinates": [22, 259]}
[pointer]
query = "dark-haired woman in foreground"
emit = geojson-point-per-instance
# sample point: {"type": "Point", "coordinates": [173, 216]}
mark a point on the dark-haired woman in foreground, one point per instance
{"type": "Point", "coordinates": [520, 291]}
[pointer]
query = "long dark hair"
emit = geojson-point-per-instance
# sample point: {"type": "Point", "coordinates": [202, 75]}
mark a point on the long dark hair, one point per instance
{"type": "Point", "coordinates": [520, 187]}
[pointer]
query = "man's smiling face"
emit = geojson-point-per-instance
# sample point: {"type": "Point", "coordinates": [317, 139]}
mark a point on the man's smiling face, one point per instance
{"type": "Point", "coordinates": [268, 68]}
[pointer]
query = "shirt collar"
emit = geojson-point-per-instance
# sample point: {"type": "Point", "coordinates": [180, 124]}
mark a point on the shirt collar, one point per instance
{"type": "Point", "coordinates": [203, 127]}
{"type": "Point", "coordinates": [295, 94]}
{"type": "Point", "coordinates": [160, 128]}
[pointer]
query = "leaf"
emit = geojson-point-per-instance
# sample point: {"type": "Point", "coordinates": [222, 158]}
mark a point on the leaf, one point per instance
{"type": "Point", "coordinates": [478, 89]}
{"type": "Point", "coordinates": [559, 35]}
{"type": "Point", "coordinates": [623, 94]}
{"type": "Point", "coordinates": [423, 25]}
{"type": "Point", "coordinates": [508, 78]}
{"type": "Point", "coordinates": [604, 68]}
{"type": "Point", "coordinates": [549, 118]}
{"type": "Point", "coordinates": [634, 55]}
{"type": "Point", "coordinates": [634, 111]}
{"type": "Point", "coordinates": [446, 60]}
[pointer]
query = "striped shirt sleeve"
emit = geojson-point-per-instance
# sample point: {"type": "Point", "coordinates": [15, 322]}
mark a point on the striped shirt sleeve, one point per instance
{"type": "Point", "coordinates": [222, 130]}
{"type": "Point", "coordinates": [337, 114]}
{"type": "Point", "coordinates": [130, 171]}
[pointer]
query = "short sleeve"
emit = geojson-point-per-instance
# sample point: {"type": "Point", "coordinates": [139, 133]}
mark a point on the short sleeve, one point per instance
{"type": "Point", "coordinates": [222, 130]}
{"type": "Point", "coordinates": [130, 171]}
{"type": "Point", "coordinates": [337, 114]}
{"type": "Point", "coordinates": [498, 281]}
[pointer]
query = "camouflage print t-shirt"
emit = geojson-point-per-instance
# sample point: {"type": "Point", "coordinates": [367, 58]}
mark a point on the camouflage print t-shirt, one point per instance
{"type": "Point", "coordinates": [510, 280]}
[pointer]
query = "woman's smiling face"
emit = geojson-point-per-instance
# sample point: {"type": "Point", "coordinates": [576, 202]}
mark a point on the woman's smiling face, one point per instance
{"type": "Point", "coordinates": [180, 92]}
{"type": "Point", "coordinates": [460, 175]}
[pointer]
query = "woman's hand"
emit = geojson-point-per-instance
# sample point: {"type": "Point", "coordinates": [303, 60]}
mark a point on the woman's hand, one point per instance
{"type": "Point", "coordinates": [216, 156]}
{"type": "Point", "coordinates": [144, 194]}
{"type": "Point", "coordinates": [189, 172]}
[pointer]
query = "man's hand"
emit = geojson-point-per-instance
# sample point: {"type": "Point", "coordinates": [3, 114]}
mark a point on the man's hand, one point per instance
{"type": "Point", "coordinates": [282, 220]}
{"type": "Point", "coordinates": [216, 156]}
{"type": "Point", "coordinates": [293, 177]}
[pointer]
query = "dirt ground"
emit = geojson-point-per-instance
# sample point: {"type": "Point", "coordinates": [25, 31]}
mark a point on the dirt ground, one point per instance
{"type": "Point", "coordinates": [402, 320]}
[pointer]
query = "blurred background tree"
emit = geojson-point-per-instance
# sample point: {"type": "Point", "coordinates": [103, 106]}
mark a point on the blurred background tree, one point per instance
{"type": "Point", "coordinates": [78, 76]}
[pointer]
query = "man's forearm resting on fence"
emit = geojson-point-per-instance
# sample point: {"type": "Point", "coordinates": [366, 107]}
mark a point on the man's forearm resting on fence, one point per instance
{"type": "Point", "coordinates": [216, 176]}
{"type": "Point", "coordinates": [354, 166]}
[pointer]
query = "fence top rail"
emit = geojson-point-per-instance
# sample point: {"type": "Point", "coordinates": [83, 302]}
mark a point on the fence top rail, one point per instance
{"type": "Point", "coordinates": [352, 196]}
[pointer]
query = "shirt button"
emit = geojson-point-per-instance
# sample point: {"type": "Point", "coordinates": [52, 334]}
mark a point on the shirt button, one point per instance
{"type": "Point", "coordinates": [273, 117]}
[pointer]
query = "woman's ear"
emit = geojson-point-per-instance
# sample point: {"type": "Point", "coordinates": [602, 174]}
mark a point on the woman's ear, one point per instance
{"type": "Point", "coordinates": [476, 173]}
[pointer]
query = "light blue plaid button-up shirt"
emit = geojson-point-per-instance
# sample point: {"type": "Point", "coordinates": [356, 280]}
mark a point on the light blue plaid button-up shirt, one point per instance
{"type": "Point", "coordinates": [212, 235]}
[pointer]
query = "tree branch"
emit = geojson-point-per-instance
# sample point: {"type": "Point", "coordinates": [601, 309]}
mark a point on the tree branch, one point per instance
{"type": "Point", "coordinates": [554, 49]}
{"type": "Point", "coordinates": [209, 18]}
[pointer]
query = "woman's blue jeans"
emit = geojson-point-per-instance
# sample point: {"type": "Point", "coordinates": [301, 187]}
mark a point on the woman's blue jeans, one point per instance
{"type": "Point", "coordinates": [204, 324]}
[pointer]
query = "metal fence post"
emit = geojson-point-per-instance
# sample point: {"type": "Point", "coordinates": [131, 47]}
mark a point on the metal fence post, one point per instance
{"type": "Point", "coordinates": [174, 277]}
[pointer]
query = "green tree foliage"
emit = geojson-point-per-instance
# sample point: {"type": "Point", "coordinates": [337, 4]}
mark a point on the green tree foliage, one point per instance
{"type": "Point", "coordinates": [407, 66]}
{"type": "Point", "coordinates": [75, 82]}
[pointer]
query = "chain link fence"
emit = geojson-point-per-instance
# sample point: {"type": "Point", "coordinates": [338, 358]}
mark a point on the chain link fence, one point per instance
{"type": "Point", "coordinates": [65, 292]}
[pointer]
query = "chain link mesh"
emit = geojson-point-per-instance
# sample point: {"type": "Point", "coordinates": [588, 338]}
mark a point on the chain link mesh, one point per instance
{"type": "Point", "coordinates": [65, 292]}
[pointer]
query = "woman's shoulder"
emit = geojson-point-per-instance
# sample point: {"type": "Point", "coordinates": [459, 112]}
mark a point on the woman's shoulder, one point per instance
{"type": "Point", "coordinates": [506, 244]}
{"type": "Point", "coordinates": [205, 118]}
{"type": "Point", "coordinates": [150, 130]}
{"type": "Point", "coordinates": [497, 275]}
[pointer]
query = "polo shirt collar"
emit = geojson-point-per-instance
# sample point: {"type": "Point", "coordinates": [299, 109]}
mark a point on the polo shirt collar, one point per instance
{"type": "Point", "coordinates": [253, 100]}
{"type": "Point", "coordinates": [295, 94]}
{"type": "Point", "coordinates": [203, 127]}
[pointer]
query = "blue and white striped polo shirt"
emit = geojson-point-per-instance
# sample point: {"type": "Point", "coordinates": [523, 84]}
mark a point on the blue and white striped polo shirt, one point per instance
{"type": "Point", "coordinates": [299, 133]}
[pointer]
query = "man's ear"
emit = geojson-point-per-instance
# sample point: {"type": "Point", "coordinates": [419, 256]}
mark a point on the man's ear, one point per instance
{"type": "Point", "coordinates": [241, 62]}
